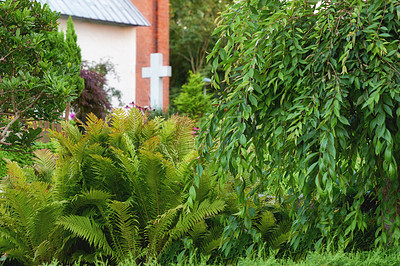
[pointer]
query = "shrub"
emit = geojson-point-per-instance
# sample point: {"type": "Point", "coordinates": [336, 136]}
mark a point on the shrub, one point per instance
{"type": "Point", "coordinates": [93, 98]}
{"type": "Point", "coordinates": [192, 101]}
{"type": "Point", "coordinates": [37, 77]}
{"type": "Point", "coordinates": [311, 109]}
{"type": "Point", "coordinates": [118, 193]}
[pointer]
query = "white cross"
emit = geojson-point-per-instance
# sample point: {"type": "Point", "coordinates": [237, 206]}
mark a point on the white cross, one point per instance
{"type": "Point", "coordinates": [156, 72]}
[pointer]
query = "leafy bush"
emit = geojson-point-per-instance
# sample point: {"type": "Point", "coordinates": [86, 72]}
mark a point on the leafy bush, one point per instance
{"type": "Point", "coordinates": [22, 158]}
{"type": "Point", "coordinates": [311, 109]}
{"type": "Point", "coordinates": [37, 76]}
{"type": "Point", "coordinates": [118, 193]}
{"type": "Point", "coordinates": [93, 98]}
{"type": "Point", "coordinates": [192, 101]}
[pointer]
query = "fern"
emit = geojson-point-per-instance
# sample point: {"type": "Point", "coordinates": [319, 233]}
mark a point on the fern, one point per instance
{"type": "Point", "coordinates": [94, 127]}
{"type": "Point", "coordinates": [118, 190]}
{"type": "Point", "coordinates": [67, 178]}
{"type": "Point", "coordinates": [64, 140]}
{"type": "Point", "coordinates": [135, 119]}
{"type": "Point", "coordinates": [119, 121]}
{"type": "Point", "coordinates": [124, 230]}
{"type": "Point", "coordinates": [157, 232]}
{"type": "Point", "coordinates": [45, 164]}
{"type": "Point", "coordinates": [14, 240]}
{"type": "Point", "coordinates": [266, 223]}
{"type": "Point", "coordinates": [212, 239]}
{"type": "Point", "coordinates": [93, 197]}
{"type": "Point", "coordinates": [28, 221]}
{"type": "Point", "coordinates": [187, 221]}
{"type": "Point", "coordinates": [130, 168]}
{"type": "Point", "coordinates": [87, 229]}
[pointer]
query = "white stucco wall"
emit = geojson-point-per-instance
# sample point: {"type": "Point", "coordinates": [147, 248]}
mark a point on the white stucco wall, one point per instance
{"type": "Point", "coordinates": [100, 42]}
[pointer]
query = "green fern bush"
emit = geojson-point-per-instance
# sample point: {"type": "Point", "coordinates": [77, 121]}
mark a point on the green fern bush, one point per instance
{"type": "Point", "coordinates": [116, 191]}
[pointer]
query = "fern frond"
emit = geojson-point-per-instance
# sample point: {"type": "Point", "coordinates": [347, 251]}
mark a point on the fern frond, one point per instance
{"type": "Point", "coordinates": [151, 171]}
{"type": "Point", "coordinates": [129, 145]}
{"type": "Point", "coordinates": [183, 167]}
{"type": "Point", "coordinates": [104, 172]}
{"type": "Point", "coordinates": [41, 251]}
{"type": "Point", "coordinates": [14, 240]}
{"type": "Point", "coordinates": [87, 229]}
{"type": "Point", "coordinates": [157, 233]}
{"type": "Point", "coordinates": [94, 126]}
{"type": "Point", "coordinates": [94, 197]}
{"type": "Point", "coordinates": [151, 144]}
{"type": "Point", "coordinates": [45, 163]}
{"type": "Point", "coordinates": [118, 120]}
{"type": "Point", "coordinates": [273, 233]}
{"type": "Point", "coordinates": [184, 140]}
{"type": "Point", "coordinates": [67, 177]}
{"type": "Point", "coordinates": [187, 221]}
{"type": "Point", "coordinates": [69, 135]}
{"type": "Point", "coordinates": [198, 231]}
{"type": "Point", "coordinates": [177, 138]}
{"type": "Point", "coordinates": [265, 222]}
{"type": "Point", "coordinates": [40, 192]}
{"type": "Point", "coordinates": [282, 234]}
{"type": "Point", "coordinates": [212, 240]}
{"type": "Point", "coordinates": [14, 171]}
{"type": "Point", "coordinates": [124, 230]}
{"type": "Point", "coordinates": [135, 119]}
{"type": "Point", "coordinates": [149, 130]}
{"type": "Point", "coordinates": [44, 223]}
{"type": "Point", "coordinates": [19, 255]}
{"type": "Point", "coordinates": [130, 170]}
{"type": "Point", "coordinates": [22, 209]}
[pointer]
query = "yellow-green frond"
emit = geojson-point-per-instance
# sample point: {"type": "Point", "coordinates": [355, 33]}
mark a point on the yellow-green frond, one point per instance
{"type": "Point", "coordinates": [87, 229]}
{"type": "Point", "coordinates": [188, 220]}
{"type": "Point", "coordinates": [124, 231]}
{"type": "Point", "coordinates": [119, 120]}
{"type": "Point", "coordinates": [45, 163]}
{"type": "Point", "coordinates": [157, 232]}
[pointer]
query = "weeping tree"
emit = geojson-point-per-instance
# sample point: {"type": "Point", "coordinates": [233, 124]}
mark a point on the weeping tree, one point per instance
{"type": "Point", "coordinates": [311, 112]}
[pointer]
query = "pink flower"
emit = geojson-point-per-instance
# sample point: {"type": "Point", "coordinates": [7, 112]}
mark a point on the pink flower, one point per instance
{"type": "Point", "coordinates": [72, 116]}
{"type": "Point", "coordinates": [195, 131]}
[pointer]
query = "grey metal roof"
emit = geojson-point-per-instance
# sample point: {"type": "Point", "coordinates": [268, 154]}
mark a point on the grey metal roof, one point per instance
{"type": "Point", "coordinates": [110, 11]}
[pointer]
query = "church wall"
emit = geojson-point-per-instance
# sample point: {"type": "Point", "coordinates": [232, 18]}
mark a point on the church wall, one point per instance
{"type": "Point", "coordinates": [100, 42]}
{"type": "Point", "coordinates": [153, 39]}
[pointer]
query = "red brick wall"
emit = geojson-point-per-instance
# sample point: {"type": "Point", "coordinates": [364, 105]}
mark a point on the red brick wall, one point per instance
{"type": "Point", "coordinates": [153, 39]}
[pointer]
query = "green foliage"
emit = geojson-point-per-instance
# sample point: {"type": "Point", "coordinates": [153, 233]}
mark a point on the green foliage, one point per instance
{"type": "Point", "coordinates": [114, 192]}
{"type": "Point", "coordinates": [191, 100]}
{"type": "Point", "coordinates": [311, 109]}
{"type": "Point", "coordinates": [266, 236]}
{"type": "Point", "coordinates": [22, 158]}
{"type": "Point", "coordinates": [27, 218]}
{"type": "Point", "coordinates": [37, 78]}
{"type": "Point", "coordinates": [73, 53]}
{"type": "Point", "coordinates": [375, 257]}
{"type": "Point", "coordinates": [191, 27]}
